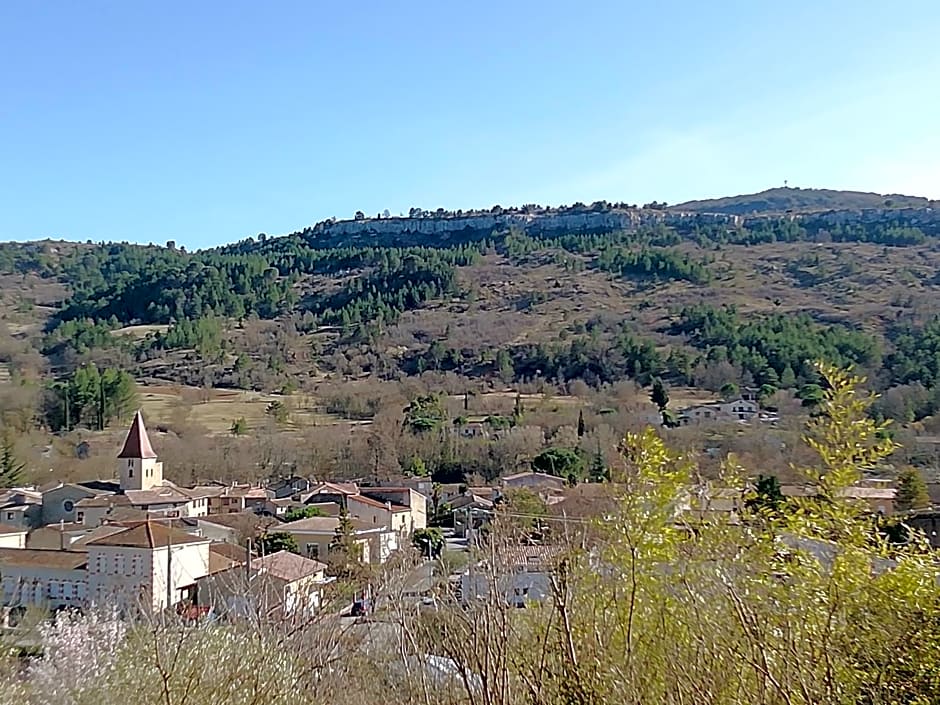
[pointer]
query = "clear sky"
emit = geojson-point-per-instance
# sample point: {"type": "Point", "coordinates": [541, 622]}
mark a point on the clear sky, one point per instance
{"type": "Point", "coordinates": [206, 122]}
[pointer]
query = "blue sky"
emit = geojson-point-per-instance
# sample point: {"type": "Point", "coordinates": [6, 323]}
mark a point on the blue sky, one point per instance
{"type": "Point", "coordinates": [206, 122]}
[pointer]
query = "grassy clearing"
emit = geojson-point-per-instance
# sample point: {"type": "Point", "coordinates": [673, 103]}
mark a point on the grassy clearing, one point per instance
{"type": "Point", "coordinates": [139, 332]}
{"type": "Point", "coordinates": [215, 410]}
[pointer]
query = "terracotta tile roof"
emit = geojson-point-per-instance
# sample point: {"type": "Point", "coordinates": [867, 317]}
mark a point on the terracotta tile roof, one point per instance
{"type": "Point", "coordinates": [246, 491]}
{"type": "Point", "coordinates": [157, 495]}
{"type": "Point", "coordinates": [147, 534]}
{"type": "Point", "coordinates": [81, 544]}
{"type": "Point", "coordinates": [287, 566]}
{"type": "Point", "coordinates": [362, 499]}
{"type": "Point", "coordinates": [224, 556]}
{"type": "Point", "coordinates": [201, 491]}
{"type": "Point", "coordinates": [123, 514]}
{"type": "Point", "coordinates": [228, 550]}
{"type": "Point", "coordinates": [104, 500]}
{"type": "Point", "coordinates": [137, 443]}
{"type": "Point", "coordinates": [239, 520]}
{"type": "Point", "coordinates": [39, 557]}
{"type": "Point", "coordinates": [323, 525]}
{"type": "Point", "coordinates": [489, 493]}
{"type": "Point", "coordinates": [348, 488]}
{"type": "Point", "coordinates": [540, 476]}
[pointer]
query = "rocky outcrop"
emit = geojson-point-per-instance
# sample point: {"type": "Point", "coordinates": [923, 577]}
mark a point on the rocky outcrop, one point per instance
{"type": "Point", "coordinates": [457, 227]}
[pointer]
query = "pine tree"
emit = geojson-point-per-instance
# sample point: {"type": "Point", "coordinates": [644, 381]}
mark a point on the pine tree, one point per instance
{"type": "Point", "coordinates": [11, 469]}
{"type": "Point", "coordinates": [658, 394]}
{"type": "Point", "coordinates": [599, 471]}
{"type": "Point", "coordinates": [344, 551]}
{"type": "Point", "coordinates": [581, 427]}
{"type": "Point", "coordinates": [912, 491]}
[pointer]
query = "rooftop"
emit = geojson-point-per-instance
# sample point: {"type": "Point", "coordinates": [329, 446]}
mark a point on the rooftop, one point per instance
{"type": "Point", "coordinates": [362, 499]}
{"type": "Point", "coordinates": [137, 443]}
{"type": "Point", "coordinates": [104, 500]}
{"type": "Point", "coordinates": [81, 543]}
{"type": "Point", "coordinates": [287, 566]}
{"type": "Point", "coordinates": [7, 529]}
{"type": "Point", "coordinates": [348, 488]}
{"type": "Point", "coordinates": [239, 520]}
{"type": "Point", "coordinates": [323, 525]}
{"type": "Point", "coordinates": [229, 550]}
{"type": "Point", "coordinates": [158, 495]}
{"type": "Point", "coordinates": [545, 477]}
{"type": "Point", "coordinates": [147, 534]}
{"type": "Point", "coordinates": [38, 557]}
{"type": "Point", "coordinates": [221, 558]}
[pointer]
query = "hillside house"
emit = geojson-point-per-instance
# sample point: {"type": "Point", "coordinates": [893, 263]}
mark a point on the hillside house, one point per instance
{"type": "Point", "coordinates": [21, 507]}
{"type": "Point", "coordinates": [519, 573]}
{"type": "Point", "coordinates": [550, 488]}
{"type": "Point", "coordinates": [239, 498]}
{"type": "Point", "coordinates": [282, 584]}
{"type": "Point", "coordinates": [286, 487]}
{"type": "Point", "coordinates": [146, 566]}
{"type": "Point", "coordinates": [740, 410]}
{"type": "Point", "coordinates": [315, 534]}
{"type": "Point", "coordinates": [402, 497]}
{"type": "Point", "coordinates": [400, 509]}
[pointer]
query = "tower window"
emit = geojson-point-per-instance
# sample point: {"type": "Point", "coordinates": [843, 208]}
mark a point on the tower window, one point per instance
{"type": "Point", "coordinates": [130, 472]}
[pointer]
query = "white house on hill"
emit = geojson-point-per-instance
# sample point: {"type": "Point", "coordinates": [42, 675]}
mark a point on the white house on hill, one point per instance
{"type": "Point", "coordinates": [130, 567]}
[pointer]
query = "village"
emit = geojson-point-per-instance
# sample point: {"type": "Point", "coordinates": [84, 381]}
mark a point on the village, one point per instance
{"type": "Point", "coordinates": [141, 543]}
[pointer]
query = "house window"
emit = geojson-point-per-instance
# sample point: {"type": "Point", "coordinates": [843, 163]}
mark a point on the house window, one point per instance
{"type": "Point", "coordinates": [9, 516]}
{"type": "Point", "coordinates": [313, 550]}
{"type": "Point", "coordinates": [130, 472]}
{"type": "Point", "coordinates": [80, 517]}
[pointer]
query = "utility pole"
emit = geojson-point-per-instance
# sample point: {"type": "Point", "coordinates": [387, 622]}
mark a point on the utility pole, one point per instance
{"type": "Point", "coordinates": [169, 564]}
{"type": "Point", "coordinates": [101, 403]}
{"type": "Point", "coordinates": [68, 415]}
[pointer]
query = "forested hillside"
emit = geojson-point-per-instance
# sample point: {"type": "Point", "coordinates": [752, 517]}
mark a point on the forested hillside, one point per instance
{"type": "Point", "coordinates": [697, 302]}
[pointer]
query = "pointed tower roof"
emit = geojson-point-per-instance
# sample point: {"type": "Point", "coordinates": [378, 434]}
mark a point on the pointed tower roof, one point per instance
{"type": "Point", "coordinates": [137, 443]}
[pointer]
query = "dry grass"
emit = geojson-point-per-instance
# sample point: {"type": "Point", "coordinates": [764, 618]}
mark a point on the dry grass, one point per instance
{"type": "Point", "coordinates": [139, 332]}
{"type": "Point", "coordinates": [215, 410]}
